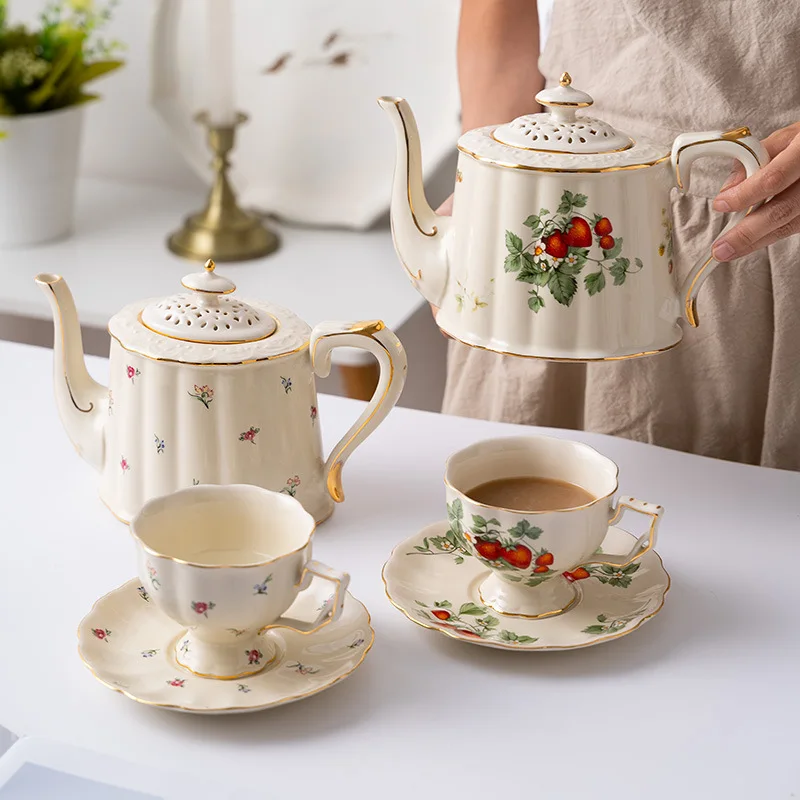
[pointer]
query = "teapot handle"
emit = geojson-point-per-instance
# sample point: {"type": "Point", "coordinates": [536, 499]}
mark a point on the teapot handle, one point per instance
{"type": "Point", "coordinates": [738, 144]}
{"type": "Point", "coordinates": [375, 337]}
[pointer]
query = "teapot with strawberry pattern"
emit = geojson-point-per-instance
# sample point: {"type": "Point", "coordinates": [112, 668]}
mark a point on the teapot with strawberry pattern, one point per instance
{"type": "Point", "coordinates": [559, 246]}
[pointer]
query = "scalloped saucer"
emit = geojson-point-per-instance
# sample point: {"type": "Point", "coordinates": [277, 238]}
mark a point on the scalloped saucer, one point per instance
{"type": "Point", "coordinates": [126, 643]}
{"type": "Point", "coordinates": [438, 589]}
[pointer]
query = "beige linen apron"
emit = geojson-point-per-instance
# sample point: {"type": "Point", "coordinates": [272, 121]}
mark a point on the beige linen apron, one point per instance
{"type": "Point", "coordinates": [731, 389]}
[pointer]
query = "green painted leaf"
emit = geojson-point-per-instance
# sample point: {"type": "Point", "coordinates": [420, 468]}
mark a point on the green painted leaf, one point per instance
{"type": "Point", "coordinates": [455, 510]}
{"type": "Point", "coordinates": [515, 578]}
{"type": "Point", "coordinates": [541, 278]}
{"type": "Point", "coordinates": [580, 200]}
{"type": "Point", "coordinates": [493, 521]}
{"type": "Point", "coordinates": [443, 604]}
{"type": "Point", "coordinates": [594, 629]}
{"type": "Point", "coordinates": [420, 604]}
{"type": "Point", "coordinates": [562, 287]}
{"type": "Point", "coordinates": [421, 549]}
{"type": "Point", "coordinates": [459, 559]}
{"type": "Point", "coordinates": [631, 568]}
{"type": "Point", "coordinates": [619, 269]}
{"type": "Point", "coordinates": [595, 282]}
{"type": "Point", "coordinates": [524, 528]}
{"type": "Point", "coordinates": [601, 617]}
{"type": "Point", "coordinates": [478, 521]}
{"type": "Point", "coordinates": [543, 212]}
{"type": "Point", "coordinates": [513, 262]}
{"type": "Point", "coordinates": [472, 609]}
{"type": "Point", "coordinates": [535, 302]}
{"type": "Point", "coordinates": [536, 580]}
{"type": "Point", "coordinates": [565, 206]}
{"type": "Point", "coordinates": [638, 262]}
{"type": "Point", "coordinates": [527, 639]}
{"type": "Point", "coordinates": [615, 250]}
{"type": "Point", "coordinates": [532, 222]}
{"type": "Point", "coordinates": [508, 636]}
{"type": "Point", "coordinates": [513, 243]}
{"type": "Point", "coordinates": [565, 268]}
{"type": "Point", "coordinates": [489, 622]}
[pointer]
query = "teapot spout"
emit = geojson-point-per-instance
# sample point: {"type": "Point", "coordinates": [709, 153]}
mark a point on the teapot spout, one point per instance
{"type": "Point", "coordinates": [420, 235]}
{"type": "Point", "coordinates": [79, 398]}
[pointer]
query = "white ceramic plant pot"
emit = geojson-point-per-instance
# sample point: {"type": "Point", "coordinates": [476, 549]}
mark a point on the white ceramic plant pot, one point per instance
{"type": "Point", "coordinates": [38, 172]}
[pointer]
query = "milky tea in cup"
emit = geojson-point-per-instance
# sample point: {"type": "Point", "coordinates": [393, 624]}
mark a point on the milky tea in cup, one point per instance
{"type": "Point", "coordinates": [534, 510]}
{"type": "Point", "coordinates": [226, 562]}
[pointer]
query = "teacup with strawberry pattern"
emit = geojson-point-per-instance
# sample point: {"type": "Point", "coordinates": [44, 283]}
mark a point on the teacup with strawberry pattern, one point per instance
{"type": "Point", "coordinates": [536, 559]}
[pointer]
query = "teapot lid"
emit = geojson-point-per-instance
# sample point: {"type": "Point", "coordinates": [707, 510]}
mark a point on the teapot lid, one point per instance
{"type": "Point", "coordinates": [207, 325]}
{"type": "Point", "coordinates": [560, 138]}
{"type": "Point", "coordinates": [561, 130]}
{"type": "Point", "coordinates": [206, 314]}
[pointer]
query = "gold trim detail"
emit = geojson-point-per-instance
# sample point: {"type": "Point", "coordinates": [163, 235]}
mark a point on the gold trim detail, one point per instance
{"type": "Point", "coordinates": [563, 360]}
{"type": "Point", "coordinates": [690, 301]}
{"type": "Point", "coordinates": [225, 677]}
{"type": "Point", "coordinates": [565, 79]}
{"type": "Point", "coordinates": [207, 363]}
{"type": "Point", "coordinates": [509, 165]}
{"type": "Point", "coordinates": [563, 152]}
{"type": "Point", "coordinates": [240, 708]}
{"type": "Point", "coordinates": [618, 512]}
{"type": "Point", "coordinates": [367, 328]}
{"type": "Point", "coordinates": [201, 341]}
{"type": "Point", "coordinates": [72, 396]}
{"type": "Point", "coordinates": [576, 596]}
{"type": "Point", "coordinates": [737, 133]}
{"type": "Point", "coordinates": [499, 646]}
{"type": "Point", "coordinates": [333, 480]}
{"type": "Point", "coordinates": [434, 229]}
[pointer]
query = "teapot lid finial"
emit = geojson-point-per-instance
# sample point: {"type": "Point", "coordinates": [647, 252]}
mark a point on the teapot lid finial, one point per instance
{"type": "Point", "coordinates": [566, 79]}
{"type": "Point", "coordinates": [209, 265]}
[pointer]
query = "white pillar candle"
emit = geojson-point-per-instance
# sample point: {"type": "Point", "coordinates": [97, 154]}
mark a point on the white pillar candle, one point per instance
{"type": "Point", "coordinates": [219, 63]}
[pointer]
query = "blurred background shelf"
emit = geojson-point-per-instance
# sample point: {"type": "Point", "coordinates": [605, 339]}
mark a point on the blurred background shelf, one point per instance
{"type": "Point", "coordinates": [118, 255]}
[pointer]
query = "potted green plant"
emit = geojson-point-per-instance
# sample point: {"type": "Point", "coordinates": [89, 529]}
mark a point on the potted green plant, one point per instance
{"type": "Point", "coordinates": [44, 71]}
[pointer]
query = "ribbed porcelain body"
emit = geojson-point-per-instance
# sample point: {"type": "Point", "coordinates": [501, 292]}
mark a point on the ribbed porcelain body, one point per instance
{"type": "Point", "coordinates": [259, 427]}
{"type": "Point", "coordinates": [486, 305]}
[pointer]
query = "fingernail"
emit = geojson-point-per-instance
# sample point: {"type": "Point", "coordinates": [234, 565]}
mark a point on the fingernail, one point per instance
{"type": "Point", "coordinates": [722, 251]}
{"type": "Point", "coordinates": [722, 205]}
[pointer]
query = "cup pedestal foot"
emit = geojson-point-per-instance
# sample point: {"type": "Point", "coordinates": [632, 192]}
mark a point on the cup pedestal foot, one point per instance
{"type": "Point", "coordinates": [548, 599]}
{"type": "Point", "coordinates": [243, 654]}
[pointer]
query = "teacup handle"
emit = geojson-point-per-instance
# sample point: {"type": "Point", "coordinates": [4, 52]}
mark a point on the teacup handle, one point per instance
{"type": "Point", "coordinates": [644, 543]}
{"type": "Point", "coordinates": [375, 337]}
{"type": "Point", "coordinates": [330, 611]}
{"type": "Point", "coordinates": [738, 144]}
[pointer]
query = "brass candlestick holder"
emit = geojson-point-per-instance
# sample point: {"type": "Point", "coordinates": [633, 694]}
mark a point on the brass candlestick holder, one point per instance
{"type": "Point", "coordinates": [222, 231]}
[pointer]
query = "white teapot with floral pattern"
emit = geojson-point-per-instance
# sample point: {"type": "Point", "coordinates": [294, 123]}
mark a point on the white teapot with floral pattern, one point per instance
{"type": "Point", "coordinates": [206, 388]}
{"type": "Point", "coordinates": [559, 246]}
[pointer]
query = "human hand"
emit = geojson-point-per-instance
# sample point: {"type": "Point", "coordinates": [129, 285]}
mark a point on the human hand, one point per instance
{"type": "Point", "coordinates": [779, 180]}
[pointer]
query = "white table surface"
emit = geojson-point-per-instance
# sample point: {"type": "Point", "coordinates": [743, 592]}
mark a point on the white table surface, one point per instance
{"type": "Point", "coordinates": [118, 254]}
{"type": "Point", "coordinates": [702, 702]}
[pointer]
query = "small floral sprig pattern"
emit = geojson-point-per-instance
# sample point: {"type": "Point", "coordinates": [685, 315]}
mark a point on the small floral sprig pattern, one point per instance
{"type": "Point", "coordinates": [243, 687]}
{"type": "Point", "coordinates": [110, 403]}
{"type": "Point", "coordinates": [132, 373]}
{"type": "Point", "coordinates": [470, 620]}
{"type": "Point", "coordinates": [666, 243]}
{"type": "Point", "coordinates": [177, 682]}
{"type": "Point", "coordinates": [149, 653]}
{"type": "Point", "coordinates": [205, 394]}
{"type": "Point", "coordinates": [159, 444]}
{"type": "Point", "coordinates": [184, 648]}
{"type": "Point", "coordinates": [467, 299]}
{"type": "Point", "coordinates": [152, 573]}
{"type": "Point", "coordinates": [101, 633]}
{"type": "Point", "coordinates": [249, 435]}
{"type": "Point", "coordinates": [606, 625]}
{"type": "Point", "coordinates": [124, 465]}
{"type": "Point", "coordinates": [143, 593]}
{"type": "Point", "coordinates": [313, 415]}
{"type": "Point", "coordinates": [287, 384]}
{"type": "Point", "coordinates": [201, 607]}
{"type": "Point", "coordinates": [561, 245]}
{"type": "Point", "coordinates": [291, 486]}
{"type": "Point", "coordinates": [613, 576]}
{"type": "Point", "coordinates": [303, 669]}
{"type": "Point", "coordinates": [263, 587]}
{"type": "Point", "coordinates": [357, 643]}
{"type": "Point", "coordinates": [254, 656]}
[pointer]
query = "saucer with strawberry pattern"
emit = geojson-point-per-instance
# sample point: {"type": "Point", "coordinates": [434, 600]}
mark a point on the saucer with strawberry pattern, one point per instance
{"type": "Point", "coordinates": [128, 645]}
{"type": "Point", "coordinates": [438, 588]}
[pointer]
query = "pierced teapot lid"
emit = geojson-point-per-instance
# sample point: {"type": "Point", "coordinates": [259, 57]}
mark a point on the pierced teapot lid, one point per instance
{"type": "Point", "coordinates": [207, 325]}
{"type": "Point", "coordinates": [560, 138]}
{"type": "Point", "coordinates": [207, 314]}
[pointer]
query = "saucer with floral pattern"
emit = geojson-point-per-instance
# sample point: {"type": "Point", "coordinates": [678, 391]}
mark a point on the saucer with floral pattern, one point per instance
{"type": "Point", "coordinates": [128, 645]}
{"type": "Point", "coordinates": [437, 587]}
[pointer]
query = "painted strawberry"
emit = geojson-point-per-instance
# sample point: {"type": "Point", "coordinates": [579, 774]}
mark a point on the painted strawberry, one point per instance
{"type": "Point", "coordinates": [441, 614]}
{"type": "Point", "coordinates": [607, 242]}
{"type": "Point", "coordinates": [518, 556]}
{"type": "Point", "coordinates": [579, 234]}
{"type": "Point", "coordinates": [489, 549]}
{"type": "Point", "coordinates": [542, 569]}
{"type": "Point", "coordinates": [580, 574]}
{"type": "Point", "coordinates": [603, 227]}
{"type": "Point", "coordinates": [556, 245]}
{"type": "Point", "coordinates": [544, 560]}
